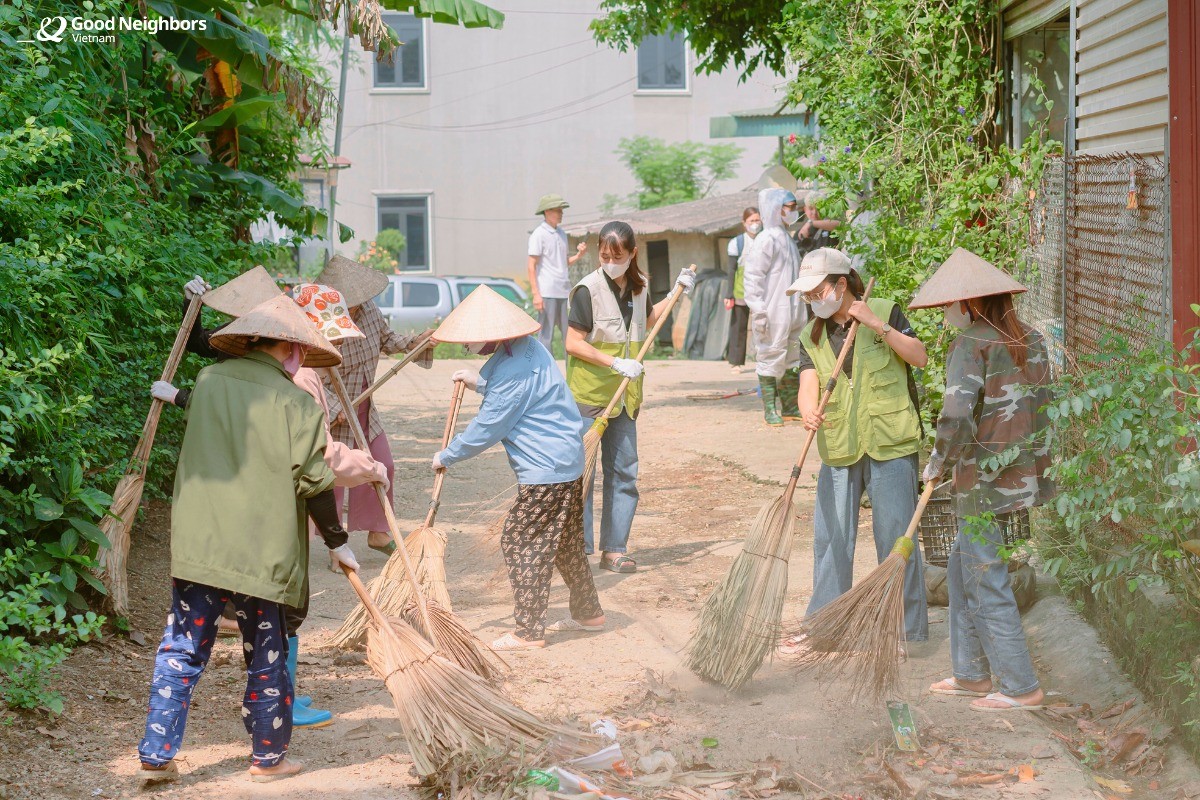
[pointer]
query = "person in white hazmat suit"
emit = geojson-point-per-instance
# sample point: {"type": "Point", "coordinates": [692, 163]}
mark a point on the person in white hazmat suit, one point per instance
{"type": "Point", "coordinates": [775, 318]}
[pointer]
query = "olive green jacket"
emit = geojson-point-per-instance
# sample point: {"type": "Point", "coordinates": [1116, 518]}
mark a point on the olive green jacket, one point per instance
{"type": "Point", "coordinates": [253, 452]}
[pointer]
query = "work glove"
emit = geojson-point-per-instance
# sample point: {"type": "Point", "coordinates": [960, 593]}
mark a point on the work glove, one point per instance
{"type": "Point", "coordinates": [379, 474]}
{"type": "Point", "coordinates": [686, 279]}
{"type": "Point", "coordinates": [437, 462]}
{"type": "Point", "coordinates": [344, 555]}
{"type": "Point", "coordinates": [162, 390]}
{"type": "Point", "coordinates": [760, 325]}
{"type": "Point", "coordinates": [933, 470]}
{"type": "Point", "coordinates": [195, 287]}
{"type": "Point", "coordinates": [468, 376]}
{"type": "Point", "coordinates": [627, 367]}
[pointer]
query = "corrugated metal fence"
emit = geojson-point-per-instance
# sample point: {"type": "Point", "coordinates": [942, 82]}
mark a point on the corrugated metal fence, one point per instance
{"type": "Point", "coordinates": [1096, 258]}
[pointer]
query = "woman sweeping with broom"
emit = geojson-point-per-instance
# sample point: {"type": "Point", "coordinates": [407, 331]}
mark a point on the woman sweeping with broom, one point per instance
{"type": "Point", "coordinates": [359, 285]}
{"type": "Point", "coordinates": [993, 435]}
{"type": "Point", "coordinates": [526, 406]}
{"type": "Point", "coordinates": [869, 435]}
{"type": "Point", "coordinates": [608, 317]}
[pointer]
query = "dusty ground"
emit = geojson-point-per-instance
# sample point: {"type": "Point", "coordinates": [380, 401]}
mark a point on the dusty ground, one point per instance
{"type": "Point", "coordinates": [707, 465]}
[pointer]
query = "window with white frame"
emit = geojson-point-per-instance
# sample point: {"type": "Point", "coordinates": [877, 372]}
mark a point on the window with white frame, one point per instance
{"type": "Point", "coordinates": [407, 70]}
{"type": "Point", "coordinates": [410, 216]}
{"type": "Point", "coordinates": [1039, 77]}
{"type": "Point", "coordinates": [662, 63]}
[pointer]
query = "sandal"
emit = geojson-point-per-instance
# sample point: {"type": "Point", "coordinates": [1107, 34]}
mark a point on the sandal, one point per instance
{"type": "Point", "coordinates": [951, 686]}
{"type": "Point", "coordinates": [149, 776]}
{"type": "Point", "coordinates": [571, 625]}
{"type": "Point", "coordinates": [622, 563]}
{"type": "Point", "coordinates": [1010, 704]}
{"type": "Point", "coordinates": [290, 768]}
{"type": "Point", "coordinates": [510, 642]}
{"type": "Point", "coordinates": [386, 549]}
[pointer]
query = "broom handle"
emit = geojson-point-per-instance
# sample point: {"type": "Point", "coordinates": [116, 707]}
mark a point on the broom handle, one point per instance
{"type": "Point", "coordinates": [339, 389]}
{"type": "Point", "coordinates": [922, 501]}
{"type": "Point", "coordinates": [141, 453]}
{"type": "Point", "coordinates": [419, 347]}
{"type": "Point", "coordinates": [440, 476]}
{"type": "Point", "coordinates": [676, 293]}
{"type": "Point", "coordinates": [847, 347]}
{"type": "Point", "coordinates": [365, 597]}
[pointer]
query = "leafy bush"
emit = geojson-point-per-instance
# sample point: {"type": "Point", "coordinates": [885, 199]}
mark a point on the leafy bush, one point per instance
{"type": "Point", "coordinates": [671, 173]}
{"type": "Point", "coordinates": [1129, 475]}
{"type": "Point", "coordinates": [384, 253]}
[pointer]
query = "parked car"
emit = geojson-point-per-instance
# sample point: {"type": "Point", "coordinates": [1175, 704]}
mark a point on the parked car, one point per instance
{"type": "Point", "coordinates": [416, 302]}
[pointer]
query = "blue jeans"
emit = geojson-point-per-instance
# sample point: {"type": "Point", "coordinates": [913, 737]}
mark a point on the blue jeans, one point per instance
{"type": "Point", "coordinates": [619, 464]}
{"type": "Point", "coordinates": [183, 653]}
{"type": "Point", "coordinates": [892, 487]}
{"type": "Point", "coordinates": [986, 636]}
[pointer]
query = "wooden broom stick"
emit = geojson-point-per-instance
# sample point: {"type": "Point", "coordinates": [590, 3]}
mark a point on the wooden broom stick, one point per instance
{"type": "Point", "coordinates": [339, 389]}
{"type": "Point", "coordinates": [439, 477]}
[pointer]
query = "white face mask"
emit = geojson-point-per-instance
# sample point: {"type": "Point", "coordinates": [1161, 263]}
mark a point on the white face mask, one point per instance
{"type": "Point", "coordinates": [956, 318]}
{"type": "Point", "coordinates": [615, 269]}
{"type": "Point", "coordinates": [754, 228]}
{"type": "Point", "coordinates": [826, 307]}
{"type": "Point", "coordinates": [791, 217]}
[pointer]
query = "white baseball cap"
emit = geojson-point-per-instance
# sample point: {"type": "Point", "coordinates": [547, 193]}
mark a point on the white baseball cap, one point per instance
{"type": "Point", "coordinates": [817, 266]}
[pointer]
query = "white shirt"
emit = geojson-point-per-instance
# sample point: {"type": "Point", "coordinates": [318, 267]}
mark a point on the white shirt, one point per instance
{"type": "Point", "coordinates": [549, 245]}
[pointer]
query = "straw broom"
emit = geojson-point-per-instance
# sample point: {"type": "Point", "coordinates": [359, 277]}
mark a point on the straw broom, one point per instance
{"type": "Point", "coordinates": [741, 620]}
{"type": "Point", "coordinates": [426, 548]}
{"type": "Point", "coordinates": [857, 636]}
{"type": "Point", "coordinates": [127, 497]}
{"type": "Point", "coordinates": [450, 629]}
{"type": "Point", "coordinates": [446, 712]}
{"type": "Point", "coordinates": [591, 439]}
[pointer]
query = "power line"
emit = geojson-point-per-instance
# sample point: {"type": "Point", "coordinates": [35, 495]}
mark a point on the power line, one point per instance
{"type": "Point", "coordinates": [510, 60]}
{"type": "Point", "coordinates": [457, 129]}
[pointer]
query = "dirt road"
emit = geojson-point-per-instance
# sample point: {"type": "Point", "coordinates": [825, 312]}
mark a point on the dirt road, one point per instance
{"type": "Point", "coordinates": [706, 467]}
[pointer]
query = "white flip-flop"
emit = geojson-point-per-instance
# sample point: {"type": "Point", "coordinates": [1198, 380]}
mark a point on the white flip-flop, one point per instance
{"type": "Point", "coordinates": [1010, 704]}
{"type": "Point", "coordinates": [572, 625]}
{"type": "Point", "coordinates": [509, 643]}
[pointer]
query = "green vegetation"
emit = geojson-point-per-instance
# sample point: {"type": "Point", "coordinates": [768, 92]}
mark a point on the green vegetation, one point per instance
{"type": "Point", "coordinates": [671, 173]}
{"type": "Point", "coordinates": [384, 253]}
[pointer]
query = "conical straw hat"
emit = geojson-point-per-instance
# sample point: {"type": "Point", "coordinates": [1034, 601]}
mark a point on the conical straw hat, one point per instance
{"type": "Point", "coordinates": [963, 276]}
{"type": "Point", "coordinates": [777, 176]}
{"type": "Point", "coordinates": [485, 316]}
{"type": "Point", "coordinates": [238, 296]}
{"type": "Point", "coordinates": [356, 282]}
{"type": "Point", "coordinates": [279, 319]}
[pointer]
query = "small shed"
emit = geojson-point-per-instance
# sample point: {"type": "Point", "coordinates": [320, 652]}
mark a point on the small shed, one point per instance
{"type": "Point", "coordinates": [670, 238]}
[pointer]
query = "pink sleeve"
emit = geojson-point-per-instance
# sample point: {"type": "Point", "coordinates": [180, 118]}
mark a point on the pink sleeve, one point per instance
{"type": "Point", "coordinates": [350, 467]}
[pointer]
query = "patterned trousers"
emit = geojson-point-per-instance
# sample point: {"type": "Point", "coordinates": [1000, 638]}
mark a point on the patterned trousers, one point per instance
{"type": "Point", "coordinates": [544, 530]}
{"type": "Point", "coordinates": [183, 653]}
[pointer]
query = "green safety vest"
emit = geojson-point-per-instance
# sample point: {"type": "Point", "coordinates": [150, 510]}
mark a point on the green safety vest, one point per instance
{"type": "Point", "coordinates": [872, 413]}
{"type": "Point", "coordinates": [739, 275]}
{"type": "Point", "coordinates": [592, 385]}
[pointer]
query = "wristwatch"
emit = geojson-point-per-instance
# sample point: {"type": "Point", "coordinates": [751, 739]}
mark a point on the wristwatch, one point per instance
{"type": "Point", "coordinates": [886, 329]}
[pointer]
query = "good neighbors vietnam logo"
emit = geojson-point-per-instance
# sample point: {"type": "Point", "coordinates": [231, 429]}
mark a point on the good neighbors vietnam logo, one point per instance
{"type": "Point", "coordinates": [103, 30]}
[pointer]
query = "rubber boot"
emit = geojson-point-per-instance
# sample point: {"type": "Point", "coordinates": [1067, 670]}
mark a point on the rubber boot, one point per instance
{"type": "Point", "coordinates": [770, 392]}
{"type": "Point", "coordinates": [302, 715]}
{"type": "Point", "coordinates": [789, 391]}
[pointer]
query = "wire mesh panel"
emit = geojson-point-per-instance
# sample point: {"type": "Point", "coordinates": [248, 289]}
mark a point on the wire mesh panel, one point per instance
{"type": "Point", "coordinates": [1117, 277]}
{"type": "Point", "coordinates": [1042, 270]}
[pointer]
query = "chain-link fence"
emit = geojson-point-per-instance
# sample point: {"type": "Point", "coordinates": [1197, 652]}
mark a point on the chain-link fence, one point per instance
{"type": "Point", "coordinates": [1097, 252]}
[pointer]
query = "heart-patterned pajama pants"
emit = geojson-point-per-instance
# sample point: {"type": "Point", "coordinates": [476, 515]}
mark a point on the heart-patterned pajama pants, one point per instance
{"type": "Point", "coordinates": [183, 653]}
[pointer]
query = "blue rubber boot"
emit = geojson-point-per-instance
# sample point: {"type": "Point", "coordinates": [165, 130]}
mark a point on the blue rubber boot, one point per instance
{"type": "Point", "coordinates": [302, 715]}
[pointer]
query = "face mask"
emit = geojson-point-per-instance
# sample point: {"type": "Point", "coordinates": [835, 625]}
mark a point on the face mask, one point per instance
{"type": "Point", "coordinates": [477, 348]}
{"type": "Point", "coordinates": [292, 363]}
{"type": "Point", "coordinates": [956, 318]}
{"type": "Point", "coordinates": [754, 228]}
{"type": "Point", "coordinates": [615, 269]}
{"type": "Point", "coordinates": [826, 307]}
{"type": "Point", "coordinates": [791, 217]}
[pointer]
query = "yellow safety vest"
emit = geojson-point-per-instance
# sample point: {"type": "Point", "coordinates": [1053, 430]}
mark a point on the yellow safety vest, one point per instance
{"type": "Point", "coordinates": [593, 385]}
{"type": "Point", "coordinates": [872, 413]}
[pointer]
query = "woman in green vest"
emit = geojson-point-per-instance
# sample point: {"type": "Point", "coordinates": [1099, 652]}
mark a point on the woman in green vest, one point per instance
{"type": "Point", "coordinates": [870, 432]}
{"type": "Point", "coordinates": [608, 317]}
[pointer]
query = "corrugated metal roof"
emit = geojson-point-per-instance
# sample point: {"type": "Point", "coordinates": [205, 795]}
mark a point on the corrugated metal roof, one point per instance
{"type": "Point", "coordinates": [709, 216]}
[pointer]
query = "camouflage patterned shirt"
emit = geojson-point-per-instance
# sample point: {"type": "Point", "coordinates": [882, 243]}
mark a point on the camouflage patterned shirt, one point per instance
{"type": "Point", "coordinates": [993, 430]}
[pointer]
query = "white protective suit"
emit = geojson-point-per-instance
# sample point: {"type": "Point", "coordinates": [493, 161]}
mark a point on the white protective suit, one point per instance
{"type": "Point", "coordinates": [771, 266]}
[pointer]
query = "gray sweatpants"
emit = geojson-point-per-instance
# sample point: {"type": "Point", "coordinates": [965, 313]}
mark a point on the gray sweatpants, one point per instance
{"type": "Point", "coordinates": [554, 312]}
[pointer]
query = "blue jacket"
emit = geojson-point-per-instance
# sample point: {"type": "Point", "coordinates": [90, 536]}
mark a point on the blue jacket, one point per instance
{"type": "Point", "coordinates": [527, 406]}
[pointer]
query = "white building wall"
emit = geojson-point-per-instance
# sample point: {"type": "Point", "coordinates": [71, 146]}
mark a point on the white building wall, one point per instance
{"type": "Point", "coordinates": [509, 115]}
